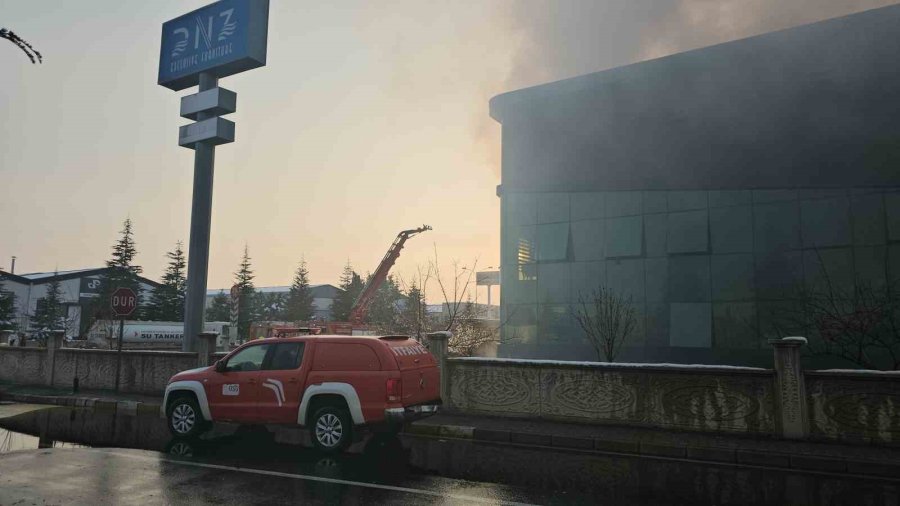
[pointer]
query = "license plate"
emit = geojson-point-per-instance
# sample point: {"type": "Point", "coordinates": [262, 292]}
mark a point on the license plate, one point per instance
{"type": "Point", "coordinates": [231, 389]}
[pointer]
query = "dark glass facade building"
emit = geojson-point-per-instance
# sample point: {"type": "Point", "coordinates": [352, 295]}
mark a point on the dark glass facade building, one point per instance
{"type": "Point", "coordinates": [706, 187]}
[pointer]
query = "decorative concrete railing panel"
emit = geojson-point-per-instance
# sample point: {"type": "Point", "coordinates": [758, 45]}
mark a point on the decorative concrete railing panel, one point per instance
{"type": "Point", "coordinates": [22, 365]}
{"type": "Point", "coordinates": [144, 372]}
{"type": "Point", "coordinates": [859, 406]}
{"type": "Point", "coordinates": [721, 399]}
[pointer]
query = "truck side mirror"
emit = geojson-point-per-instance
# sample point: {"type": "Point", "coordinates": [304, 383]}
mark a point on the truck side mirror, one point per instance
{"type": "Point", "coordinates": [220, 366]}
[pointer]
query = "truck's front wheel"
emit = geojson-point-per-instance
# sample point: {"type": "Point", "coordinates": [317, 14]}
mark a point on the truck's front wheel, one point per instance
{"type": "Point", "coordinates": [332, 429]}
{"type": "Point", "coordinates": [185, 419]}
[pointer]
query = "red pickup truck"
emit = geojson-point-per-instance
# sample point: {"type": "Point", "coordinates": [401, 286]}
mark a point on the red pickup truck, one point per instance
{"type": "Point", "coordinates": [329, 384]}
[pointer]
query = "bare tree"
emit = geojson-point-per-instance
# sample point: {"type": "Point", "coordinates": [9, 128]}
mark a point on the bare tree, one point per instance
{"type": "Point", "coordinates": [858, 321]}
{"type": "Point", "coordinates": [454, 290]}
{"type": "Point", "coordinates": [29, 51]}
{"type": "Point", "coordinates": [473, 330]}
{"type": "Point", "coordinates": [607, 320]}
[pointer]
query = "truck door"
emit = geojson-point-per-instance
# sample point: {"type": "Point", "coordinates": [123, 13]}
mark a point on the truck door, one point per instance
{"type": "Point", "coordinates": [233, 394]}
{"type": "Point", "coordinates": [282, 382]}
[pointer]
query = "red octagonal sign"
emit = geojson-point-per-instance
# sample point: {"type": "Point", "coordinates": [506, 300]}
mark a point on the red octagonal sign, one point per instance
{"type": "Point", "coordinates": [123, 301]}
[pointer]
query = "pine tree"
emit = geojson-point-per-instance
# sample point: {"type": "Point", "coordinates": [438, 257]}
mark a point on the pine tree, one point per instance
{"type": "Point", "coordinates": [412, 316]}
{"type": "Point", "coordinates": [300, 298]}
{"type": "Point", "coordinates": [270, 307]}
{"type": "Point", "coordinates": [50, 312]}
{"type": "Point", "coordinates": [121, 272]}
{"type": "Point", "coordinates": [384, 312]}
{"type": "Point", "coordinates": [167, 301]}
{"type": "Point", "coordinates": [7, 309]}
{"type": "Point", "coordinates": [243, 278]}
{"type": "Point", "coordinates": [351, 286]}
{"type": "Point", "coordinates": [220, 308]}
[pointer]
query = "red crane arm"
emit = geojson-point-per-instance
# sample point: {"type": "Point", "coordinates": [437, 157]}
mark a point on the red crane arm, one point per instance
{"type": "Point", "coordinates": [361, 306]}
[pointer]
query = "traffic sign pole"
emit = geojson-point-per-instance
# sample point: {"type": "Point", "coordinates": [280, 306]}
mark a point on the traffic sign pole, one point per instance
{"type": "Point", "coordinates": [201, 220]}
{"type": "Point", "coordinates": [123, 303]}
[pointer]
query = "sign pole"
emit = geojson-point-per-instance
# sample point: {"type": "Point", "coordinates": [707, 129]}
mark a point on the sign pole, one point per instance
{"type": "Point", "coordinates": [119, 351]}
{"type": "Point", "coordinates": [201, 218]}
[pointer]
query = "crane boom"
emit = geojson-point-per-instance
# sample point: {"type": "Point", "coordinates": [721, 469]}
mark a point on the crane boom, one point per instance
{"type": "Point", "coordinates": [361, 306]}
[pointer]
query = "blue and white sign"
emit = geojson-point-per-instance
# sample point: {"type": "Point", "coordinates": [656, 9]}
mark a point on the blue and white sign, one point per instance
{"type": "Point", "coordinates": [225, 38]}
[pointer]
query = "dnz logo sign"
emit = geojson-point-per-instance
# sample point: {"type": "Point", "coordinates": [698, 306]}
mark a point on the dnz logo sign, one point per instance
{"type": "Point", "coordinates": [204, 32]}
{"type": "Point", "coordinates": [223, 38]}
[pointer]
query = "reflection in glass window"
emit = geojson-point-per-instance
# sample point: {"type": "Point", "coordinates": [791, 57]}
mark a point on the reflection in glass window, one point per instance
{"type": "Point", "coordinates": [686, 200]}
{"type": "Point", "coordinates": [624, 237]}
{"type": "Point", "coordinates": [868, 219]}
{"type": "Point", "coordinates": [825, 222]}
{"type": "Point", "coordinates": [587, 240]}
{"type": "Point", "coordinates": [690, 324]}
{"type": "Point", "coordinates": [731, 229]}
{"type": "Point", "coordinates": [553, 207]}
{"type": "Point", "coordinates": [776, 226]}
{"type": "Point", "coordinates": [655, 231]}
{"type": "Point", "coordinates": [553, 242]}
{"type": "Point", "coordinates": [587, 205]}
{"type": "Point", "coordinates": [688, 232]}
{"type": "Point", "coordinates": [525, 247]}
{"type": "Point", "coordinates": [625, 203]}
{"type": "Point", "coordinates": [553, 282]}
{"type": "Point", "coordinates": [521, 208]}
{"type": "Point", "coordinates": [735, 325]}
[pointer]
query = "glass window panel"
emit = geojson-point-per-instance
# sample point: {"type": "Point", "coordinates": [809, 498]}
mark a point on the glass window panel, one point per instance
{"type": "Point", "coordinates": [521, 327]}
{"type": "Point", "coordinates": [763, 196]}
{"type": "Point", "coordinates": [626, 277]}
{"type": "Point", "coordinates": [656, 279]}
{"type": "Point", "coordinates": [657, 324]}
{"type": "Point", "coordinates": [731, 229]}
{"type": "Point", "coordinates": [780, 318]}
{"type": "Point", "coordinates": [523, 244]}
{"type": "Point", "coordinates": [587, 240]}
{"type": "Point", "coordinates": [585, 277]}
{"type": "Point", "coordinates": [734, 325]}
{"type": "Point", "coordinates": [521, 208]}
{"type": "Point", "coordinates": [556, 323]}
{"type": "Point", "coordinates": [822, 193]}
{"type": "Point", "coordinates": [624, 237]}
{"type": "Point", "coordinates": [894, 263]}
{"type": "Point", "coordinates": [776, 226]}
{"type": "Point", "coordinates": [553, 242]}
{"type": "Point", "coordinates": [624, 203]}
{"type": "Point", "coordinates": [689, 278]}
{"type": "Point", "coordinates": [656, 228]}
{"type": "Point", "coordinates": [870, 266]}
{"type": "Point", "coordinates": [688, 232]}
{"type": "Point", "coordinates": [892, 212]}
{"type": "Point", "coordinates": [553, 207]}
{"type": "Point", "coordinates": [868, 219]}
{"type": "Point", "coordinates": [732, 277]}
{"type": "Point", "coordinates": [727, 198]}
{"type": "Point", "coordinates": [553, 283]}
{"type": "Point", "coordinates": [655, 202]}
{"type": "Point", "coordinates": [690, 325]}
{"type": "Point", "coordinates": [248, 359]}
{"type": "Point", "coordinates": [687, 200]}
{"type": "Point", "coordinates": [587, 205]}
{"type": "Point", "coordinates": [286, 356]}
{"type": "Point", "coordinates": [778, 274]}
{"type": "Point", "coordinates": [829, 271]}
{"type": "Point", "coordinates": [518, 285]}
{"type": "Point", "coordinates": [825, 222]}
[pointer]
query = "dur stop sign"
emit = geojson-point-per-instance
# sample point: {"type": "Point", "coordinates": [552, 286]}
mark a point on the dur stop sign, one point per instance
{"type": "Point", "coordinates": [123, 302]}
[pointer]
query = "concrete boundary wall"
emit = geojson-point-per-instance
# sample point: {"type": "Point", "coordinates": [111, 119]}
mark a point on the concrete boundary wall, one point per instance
{"type": "Point", "coordinates": [719, 399]}
{"type": "Point", "coordinates": [785, 401]}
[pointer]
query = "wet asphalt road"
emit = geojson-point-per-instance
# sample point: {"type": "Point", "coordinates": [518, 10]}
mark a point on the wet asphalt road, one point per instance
{"type": "Point", "coordinates": [72, 456]}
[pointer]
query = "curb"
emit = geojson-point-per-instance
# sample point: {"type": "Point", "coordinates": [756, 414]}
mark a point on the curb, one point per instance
{"type": "Point", "coordinates": [126, 408]}
{"type": "Point", "coordinates": [713, 455]}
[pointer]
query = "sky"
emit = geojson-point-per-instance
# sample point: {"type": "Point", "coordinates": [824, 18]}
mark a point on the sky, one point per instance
{"type": "Point", "coordinates": [369, 118]}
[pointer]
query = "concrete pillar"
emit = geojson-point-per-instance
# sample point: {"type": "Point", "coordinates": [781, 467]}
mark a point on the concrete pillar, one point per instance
{"type": "Point", "coordinates": [437, 344]}
{"type": "Point", "coordinates": [790, 388]}
{"type": "Point", "coordinates": [206, 346]}
{"type": "Point", "coordinates": [54, 342]}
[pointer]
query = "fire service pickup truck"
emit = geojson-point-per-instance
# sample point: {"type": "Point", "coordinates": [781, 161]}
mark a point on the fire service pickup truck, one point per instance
{"type": "Point", "coordinates": [328, 384]}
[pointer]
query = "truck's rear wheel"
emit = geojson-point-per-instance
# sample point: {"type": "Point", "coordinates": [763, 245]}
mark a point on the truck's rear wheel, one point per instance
{"type": "Point", "coordinates": [331, 429]}
{"type": "Point", "coordinates": [184, 417]}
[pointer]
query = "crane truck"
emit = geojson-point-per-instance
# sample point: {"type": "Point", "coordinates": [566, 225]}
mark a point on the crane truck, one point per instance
{"type": "Point", "coordinates": [361, 306]}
